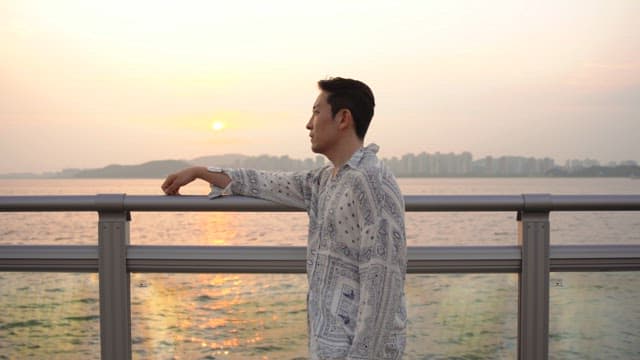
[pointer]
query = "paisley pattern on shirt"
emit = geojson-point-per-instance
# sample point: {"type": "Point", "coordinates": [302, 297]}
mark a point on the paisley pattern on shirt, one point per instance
{"type": "Point", "coordinates": [356, 254]}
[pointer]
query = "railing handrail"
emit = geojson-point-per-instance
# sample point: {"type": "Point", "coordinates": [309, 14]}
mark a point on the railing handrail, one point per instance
{"type": "Point", "coordinates": [291, 259]}
{"type": "Point", "coordinates": [430, 203]}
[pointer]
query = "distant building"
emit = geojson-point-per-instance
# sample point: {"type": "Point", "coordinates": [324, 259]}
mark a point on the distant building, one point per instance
{"type": "Point", "coordinates": [575, 164]}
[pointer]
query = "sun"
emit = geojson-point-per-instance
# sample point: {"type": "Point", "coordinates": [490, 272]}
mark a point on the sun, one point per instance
{"type": "Point", "coordinates": [217, 125]}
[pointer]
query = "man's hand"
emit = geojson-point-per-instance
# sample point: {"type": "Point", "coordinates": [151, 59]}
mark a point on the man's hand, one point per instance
{"type": "Point", "coordinates": [175, 181]}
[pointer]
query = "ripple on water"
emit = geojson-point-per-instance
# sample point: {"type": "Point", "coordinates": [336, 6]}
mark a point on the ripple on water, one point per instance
{"type": "Point", "coordinates": [54, 290]}
{"type": "Point", "coordinates": [83, 318]}
{"type": "Point", "coordinates": [205, 298]}
{"type": "Point", "coordinates": [38, 306]}
{"type": "Point", "coordinates": [23, 324]}
{"type": "Point", "coordinates": [86, 301]}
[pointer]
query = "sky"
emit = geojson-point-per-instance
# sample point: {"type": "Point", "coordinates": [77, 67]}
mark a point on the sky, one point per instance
{"type": "Point", "coordinates": [86, 84]}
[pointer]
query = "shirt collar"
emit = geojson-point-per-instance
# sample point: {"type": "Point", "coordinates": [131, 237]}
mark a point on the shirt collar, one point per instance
{"type": "Point", "coordinates": [357, 157]}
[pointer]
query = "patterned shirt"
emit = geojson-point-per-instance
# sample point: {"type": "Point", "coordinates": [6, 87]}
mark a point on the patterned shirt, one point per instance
{"type": "Point", "coordinates": [356, 254]}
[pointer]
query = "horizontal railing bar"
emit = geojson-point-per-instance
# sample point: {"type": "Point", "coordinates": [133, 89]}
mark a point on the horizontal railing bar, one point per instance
{"type": "Point", "coordinates": [594, 251]}
{"type": "Point", "coordinates": [414, 267]}
{"type": "Point", "coordinates": [217, 266]}
{"type": "Point", "coordinates": [435, 203]}
{"type": "Point", "coordinates": [299, 252]}
{"type": "Point", "coordinates": [203, 203]}
{"type": "Point", "coordinates": [445, 253]}
{"type": "Point", "coordinates": [277, 253]}
{"type": "Point", "coordinates": [217, 259]}
{"type": "Point", "coordinates": [463, 259]}
{"type": "Point", "coordinates": [67, 252]}
{"type": "Point", "coordinates": [596, 264]}
{"type": "Point", "coordinates": [458, 266]}
{"type": "Point", "coordinates": [299, 266]}
{"type": "Point", "coordinates": [59, 258]}
{"type": "Point", "coordinates": [49, 203]}
{"type": "Point", "coordinates": [463, 202]}
{"type": "Point", "coordinates": [49, 265]}
{"type": "Point", "coordinates": [595, 202]}
{"type": "Point", "coordinates": [590, 257]}
{"type": "Point", "coordinates": [291, 259]}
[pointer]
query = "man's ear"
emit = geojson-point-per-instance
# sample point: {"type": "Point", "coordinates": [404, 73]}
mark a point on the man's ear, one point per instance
{"type": "Point", "coordinates": [345, 119]}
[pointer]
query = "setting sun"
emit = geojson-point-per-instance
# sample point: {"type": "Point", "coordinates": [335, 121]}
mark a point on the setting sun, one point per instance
{"type": "Point", "coordinates": [217, 125]}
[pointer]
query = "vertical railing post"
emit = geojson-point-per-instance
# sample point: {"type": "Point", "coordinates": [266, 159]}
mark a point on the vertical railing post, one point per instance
{"type": "Point", "coordinates": [115, 299]}
{"type": "Point", "coordinates": [533, 280]}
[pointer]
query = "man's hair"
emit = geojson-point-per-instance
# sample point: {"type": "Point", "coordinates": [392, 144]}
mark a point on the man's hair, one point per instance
{"type": "Point", "coordinates": [353, 95]}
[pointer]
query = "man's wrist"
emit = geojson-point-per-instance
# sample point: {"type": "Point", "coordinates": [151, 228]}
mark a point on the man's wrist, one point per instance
{"type": "Point", "coordinates": [217, 176]}
{"type": "Point", "coordinates": [200, 172]}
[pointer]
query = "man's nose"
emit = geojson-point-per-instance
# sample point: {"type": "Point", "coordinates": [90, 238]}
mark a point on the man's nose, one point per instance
{"type": "Point", "coordinates": [309, 124]}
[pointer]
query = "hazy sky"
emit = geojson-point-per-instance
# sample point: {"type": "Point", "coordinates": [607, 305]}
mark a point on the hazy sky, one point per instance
{"type": "Point", "coordinates": [91, 83]}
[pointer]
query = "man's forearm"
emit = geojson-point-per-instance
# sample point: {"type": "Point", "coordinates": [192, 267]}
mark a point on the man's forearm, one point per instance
{"type": "Point", "coordinates": [218, 179]}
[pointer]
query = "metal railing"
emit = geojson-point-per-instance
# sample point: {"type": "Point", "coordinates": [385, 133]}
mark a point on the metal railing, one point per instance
{"type": "Point", "coordinates": [114, 258]}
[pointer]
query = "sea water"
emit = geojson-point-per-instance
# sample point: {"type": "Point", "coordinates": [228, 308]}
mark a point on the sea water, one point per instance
{"type": "Point", "coordinates": [245, 316]}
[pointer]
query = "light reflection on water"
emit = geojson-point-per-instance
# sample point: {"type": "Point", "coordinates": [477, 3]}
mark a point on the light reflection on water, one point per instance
{"type": "Point", "coordinates": [241, 316]}
{"type": "Point", "coordinates": [49, 315]}
{"type": "Point", "coordinates": [237, 316]}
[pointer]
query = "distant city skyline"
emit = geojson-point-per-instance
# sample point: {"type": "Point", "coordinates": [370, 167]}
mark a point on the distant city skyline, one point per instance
{"type": "Point", "coordinates": [88, 83]}
{"type": "Point", "coordinates": [406, 164]}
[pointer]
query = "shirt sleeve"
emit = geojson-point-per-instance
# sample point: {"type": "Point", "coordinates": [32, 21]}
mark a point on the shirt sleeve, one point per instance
{"type": "Point", "coordinates": [287, 188]}
{"type": "Point", "coordinates": [381, 321]}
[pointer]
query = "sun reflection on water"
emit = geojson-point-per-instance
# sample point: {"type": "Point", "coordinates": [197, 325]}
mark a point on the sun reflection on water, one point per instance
{"type": "Point", "coordinates": [217, 314]}
{"type": "Point", "coordinates": [219, 229]}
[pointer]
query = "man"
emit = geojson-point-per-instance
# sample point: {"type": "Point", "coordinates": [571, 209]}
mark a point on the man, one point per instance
{"type": "Point", "coordinates": [356, 254]}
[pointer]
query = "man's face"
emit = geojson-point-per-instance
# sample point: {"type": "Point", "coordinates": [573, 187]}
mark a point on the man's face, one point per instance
{"type": "Point", "coordinates": [323, 128]}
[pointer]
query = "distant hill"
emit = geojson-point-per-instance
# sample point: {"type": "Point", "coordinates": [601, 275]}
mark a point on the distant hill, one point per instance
{"type": "Point", "coordinates": [597, 171]}
{"type": "Point", "coordinates": [410, 165]}
{"type": "Point", "coordinates": [227, 160]}
{"type": "Point", "coordinates": [152, 169]}
{"type": "Point", "coordinates": [20, 176]}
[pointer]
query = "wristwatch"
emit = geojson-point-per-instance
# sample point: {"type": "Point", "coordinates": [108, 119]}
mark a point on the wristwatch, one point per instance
{"type": "Point", "coordinates": [215, 169]}
{"type": "Point", "coordinates": [217, 191]}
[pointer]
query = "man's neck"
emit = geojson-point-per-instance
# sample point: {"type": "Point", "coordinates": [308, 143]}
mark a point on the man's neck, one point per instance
{"type": "Point", "coordinates": [343, 152]}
